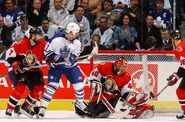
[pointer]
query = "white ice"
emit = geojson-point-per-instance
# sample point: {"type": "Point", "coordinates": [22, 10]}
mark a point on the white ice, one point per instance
{"type": "Point", "coordinates": [70, 116]}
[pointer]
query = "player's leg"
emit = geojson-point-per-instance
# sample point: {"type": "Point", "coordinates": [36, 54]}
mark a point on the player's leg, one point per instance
{"type": "Point", "coordinates": [74, 76]}
{"type": "Point", "coordinates": [36, 87]}
{"type": "Point", "coordinates": [12, 79]}
{"type": "Point", "coordinates": [181, 96]}
{"type": "Point", "coordinates": [54, 76]}
{"type": "Point", "coordinates": [20, 86]}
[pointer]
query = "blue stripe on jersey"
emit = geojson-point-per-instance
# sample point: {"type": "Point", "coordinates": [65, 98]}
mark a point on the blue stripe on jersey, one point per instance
{"type": "Point", "coordinates": [56, 36]}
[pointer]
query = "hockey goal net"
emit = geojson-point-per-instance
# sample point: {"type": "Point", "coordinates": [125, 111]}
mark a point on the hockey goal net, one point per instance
{"type": "Point", "coordinates": [149, 71]}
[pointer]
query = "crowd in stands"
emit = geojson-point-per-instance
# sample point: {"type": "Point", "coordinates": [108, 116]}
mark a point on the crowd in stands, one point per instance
{"type": "Point", "coordinates": [113, 24]}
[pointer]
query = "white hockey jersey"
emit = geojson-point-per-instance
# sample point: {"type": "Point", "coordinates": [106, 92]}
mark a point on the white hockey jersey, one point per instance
{"type": "Point", "coordinates": [60, 45]}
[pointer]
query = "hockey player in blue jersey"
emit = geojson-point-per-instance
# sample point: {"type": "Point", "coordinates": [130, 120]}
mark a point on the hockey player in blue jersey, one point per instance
{"type": "Point", "coordinates": [61, 55]}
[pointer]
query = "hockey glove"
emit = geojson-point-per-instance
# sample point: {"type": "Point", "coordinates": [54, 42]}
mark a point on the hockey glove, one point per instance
{"type": "Point", "coordinates": [172, 79]}
{"type": "Point", "coordinates": [17, 67]}
{"type": "Point", "coordinates": [51, 63]}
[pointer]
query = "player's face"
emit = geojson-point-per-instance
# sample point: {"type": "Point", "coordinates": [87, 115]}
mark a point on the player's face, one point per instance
{"type": "Point", "coordinates": [121, 67]}
{"type": "Point", "coordinates": [36, 37]}
{"type": "Point", "coordinates": [71, 36]}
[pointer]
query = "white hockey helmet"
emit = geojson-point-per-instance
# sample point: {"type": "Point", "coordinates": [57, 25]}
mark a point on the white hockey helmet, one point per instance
{"type": "Point", "coordinates": [72, 27]}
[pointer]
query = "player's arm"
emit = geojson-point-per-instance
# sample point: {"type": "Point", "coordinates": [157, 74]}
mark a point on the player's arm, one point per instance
{"type": "Point", "coordinates": [50, 52]}
{"type": "Point", "coordinates": [13, 59]}
{"type": "Point", "coordinates": [173, 78]}
{"type": "Point", "coordinates": [75, 50]}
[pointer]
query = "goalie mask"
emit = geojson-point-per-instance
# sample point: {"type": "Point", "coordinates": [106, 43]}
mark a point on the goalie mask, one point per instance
{"type": "Point", "coordinates": [120, 66]}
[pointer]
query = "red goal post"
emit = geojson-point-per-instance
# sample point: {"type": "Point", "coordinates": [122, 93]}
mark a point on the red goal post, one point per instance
{"type": "Point", "coordinates": [149, 71]}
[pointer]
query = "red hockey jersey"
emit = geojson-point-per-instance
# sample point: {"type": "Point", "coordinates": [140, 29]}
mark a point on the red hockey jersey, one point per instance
{"type": "Point", "coordinates": [106, 70]}
{"type": "Point", "coordinates": [19, 50]}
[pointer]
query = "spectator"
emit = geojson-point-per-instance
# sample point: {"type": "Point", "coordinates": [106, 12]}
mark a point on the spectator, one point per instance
{"type": "Point", "coordinates": [5, 34]}
{"type": "Point", "coordinates": [94, 5]}
{"type": "Point", "coordinates": [162, 17]}
{"type": "Point", "coordinates": [57, 13]}
{"type": "Point", "coordinates": [11, 14]}
{"type": "Point", "coordinates": [2, 47]}
{"type": "Point", "coordinates": [151, 43]}
{"type": "Point", "coordinates": [167, 42]}
{"type": "Point", "coordinates": [79, 18]}
{"type": "Point", "coordinates": [88, 14]}
{"type": "Point", "coordinates": [67, 4]}
{"type": "Point", "coordinates": [105, 32]}
{"type": "Point", "coordinates": [95, 38]}
{"type": "Point", "coordinates": [35, 13]}
{"type": "Point", "coordinates": [120, 5]}
{"type": "Point", "coordinates": [148, 30]}
{"type": "Point", "coordinates": [19, 31]}
{"type": "Point", "coordinates": [136, 13]}
{"type": "Point", "coordinates": [108, 12]}
{"type": "Point", "coordinates": [124, 35]}
{"type": "Point", "coordinates": [47, 29]}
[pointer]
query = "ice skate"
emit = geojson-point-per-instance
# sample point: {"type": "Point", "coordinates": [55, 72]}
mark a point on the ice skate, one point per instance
{"type": "Point", "coordinates": [26, 111]}
{"type": "Point", "coordinates": [17, 112]}
{"type": "Point", "coordinates": [80, 108]}
{"type": "Point", "coordinates": [181, 115]}
{"type": "Point", "coordinates": [41, 113]}
{"type": "Point", "coordinates": [36, 111]}
{"type": "Point", "coordinates": [8, 112]}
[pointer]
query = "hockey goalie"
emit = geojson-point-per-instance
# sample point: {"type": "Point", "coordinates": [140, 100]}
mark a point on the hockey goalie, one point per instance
{"type": "Point", "coordinates": [111, 95]}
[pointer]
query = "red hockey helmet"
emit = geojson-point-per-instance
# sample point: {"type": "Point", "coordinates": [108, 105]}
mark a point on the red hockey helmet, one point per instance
{"type": "Point", "coordinates": [120, 65]}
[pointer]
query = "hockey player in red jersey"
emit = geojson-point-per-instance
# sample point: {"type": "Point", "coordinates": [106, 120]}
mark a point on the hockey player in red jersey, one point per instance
{"type": "Point", "coordinates": [180, 91]}
{"type": "Point", "coordinates": [110, 87]}
{"type": "Point", "coordinates": [24, 58]}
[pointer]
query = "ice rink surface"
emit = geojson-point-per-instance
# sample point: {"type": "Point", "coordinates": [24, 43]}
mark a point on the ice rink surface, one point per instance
{"type": "Point", "coordinates": [70, 116]}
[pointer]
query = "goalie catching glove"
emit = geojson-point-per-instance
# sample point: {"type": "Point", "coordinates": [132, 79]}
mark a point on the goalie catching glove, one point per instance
{"type": "Point", "coordinates": [172, 79]}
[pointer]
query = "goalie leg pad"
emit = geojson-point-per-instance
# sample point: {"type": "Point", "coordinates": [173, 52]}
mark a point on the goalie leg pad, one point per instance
{"type": "Point", "coordinates": [144, 111]}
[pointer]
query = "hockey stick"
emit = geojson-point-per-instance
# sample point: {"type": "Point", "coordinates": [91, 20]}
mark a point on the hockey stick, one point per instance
{"type": "Point", "coordinates": [2, 53]}
{"type": "Point", "coordinates": [154, 96]}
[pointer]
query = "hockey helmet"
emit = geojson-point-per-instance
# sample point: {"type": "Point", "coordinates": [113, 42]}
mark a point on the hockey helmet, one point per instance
{"type": "Point", "coordinates": [175, 34]}
{"type": "Point", "coordinates": [72, 27]}
{"type": "Point", "coordinates": [35, 31]}
{"type": "Point", "coordinates": [120, 65]}
{"type": "Point", "coordinates": [32, 31]}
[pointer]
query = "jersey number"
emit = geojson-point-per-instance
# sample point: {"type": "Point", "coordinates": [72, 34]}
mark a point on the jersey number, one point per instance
{"type": "Point", "coordinates": [95, 73]}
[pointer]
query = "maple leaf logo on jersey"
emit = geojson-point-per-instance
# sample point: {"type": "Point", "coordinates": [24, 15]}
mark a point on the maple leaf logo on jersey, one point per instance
{"type": "Point", "coordinates": [64, 52]}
